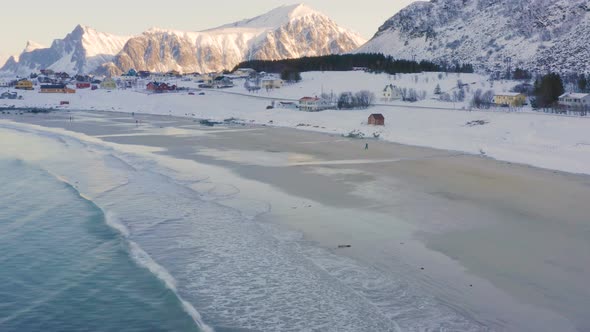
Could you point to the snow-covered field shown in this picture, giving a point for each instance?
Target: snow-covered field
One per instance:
(548, 141)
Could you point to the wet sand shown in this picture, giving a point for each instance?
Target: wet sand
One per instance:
(507, 244)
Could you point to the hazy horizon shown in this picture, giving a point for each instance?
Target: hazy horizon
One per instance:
(48, 22)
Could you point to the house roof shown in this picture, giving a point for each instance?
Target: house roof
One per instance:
(389, 86)
(309, 99)
(377, 116)
(53, 86)
(509, 94)
(574, 95)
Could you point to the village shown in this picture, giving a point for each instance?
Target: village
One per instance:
(512, 96)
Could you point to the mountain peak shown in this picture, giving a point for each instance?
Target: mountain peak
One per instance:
(81, 29)
(298, 10)
(275, 18)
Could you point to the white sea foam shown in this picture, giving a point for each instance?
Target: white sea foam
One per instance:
(143, 259)
(115, 223)
(243, 274)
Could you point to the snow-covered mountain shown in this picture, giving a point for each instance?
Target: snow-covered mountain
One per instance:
(81, 51)
(285, 32)
(535, 34)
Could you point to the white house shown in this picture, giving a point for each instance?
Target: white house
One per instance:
(391, 93)
(271, 83)
(314, 104)
(244, 72)
(570, 99)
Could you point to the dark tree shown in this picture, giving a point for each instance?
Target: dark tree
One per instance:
(582, 83)
(521, 74)
(437, 90)
(548, 89)
(290, 75)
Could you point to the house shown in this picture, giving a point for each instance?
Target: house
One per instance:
(313, 104)
(512, 99)
(82, 78)
(56, 88)
(160, 87)
(575, 100)
(82, 85)
(3, 84)
(376, 119)
(24, 85)
(108, 84)
(8, 95)
(63, 76)
(173, 73)
(271, 83)
(44, 79)
(205, 79)
(288, 104)
(244, 72)
(391, 93)
(132, 73)
(222, 82)
(144, 74)
(309, 104)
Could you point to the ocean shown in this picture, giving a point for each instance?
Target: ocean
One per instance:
(96, 237)
(65, 269)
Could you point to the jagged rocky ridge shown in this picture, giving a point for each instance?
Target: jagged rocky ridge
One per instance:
(493, 34)
(285, 32)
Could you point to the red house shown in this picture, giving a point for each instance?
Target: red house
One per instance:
(160, 87)
(377, 119)
(82, 85)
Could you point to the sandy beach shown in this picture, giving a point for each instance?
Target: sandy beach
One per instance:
(504, 244)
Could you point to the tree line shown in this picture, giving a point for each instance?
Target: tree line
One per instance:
(377, 63)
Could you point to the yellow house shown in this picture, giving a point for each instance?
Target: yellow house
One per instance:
(271, 83)
(108, 84)
(513, 99)
(24, 85)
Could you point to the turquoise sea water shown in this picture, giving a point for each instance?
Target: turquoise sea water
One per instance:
(97, 238)
(63, 269)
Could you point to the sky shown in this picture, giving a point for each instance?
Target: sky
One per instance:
(43, 21)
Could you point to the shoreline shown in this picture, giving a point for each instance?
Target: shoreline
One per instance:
(540, 140)
(359, 190)
(310, 129)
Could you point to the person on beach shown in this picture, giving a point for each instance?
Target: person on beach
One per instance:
(366, 146)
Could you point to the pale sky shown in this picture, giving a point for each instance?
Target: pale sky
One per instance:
(42, 21)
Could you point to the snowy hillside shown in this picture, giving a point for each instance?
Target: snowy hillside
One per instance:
(534, 34)
(549, 141)
(82, 50)
(285, 32)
